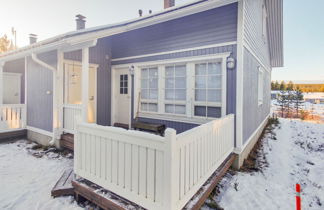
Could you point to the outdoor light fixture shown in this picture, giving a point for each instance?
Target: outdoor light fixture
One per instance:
(230, 63)
(131, 70)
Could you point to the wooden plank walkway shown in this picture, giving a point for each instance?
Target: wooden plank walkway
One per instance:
(12, 135)
(63, 186)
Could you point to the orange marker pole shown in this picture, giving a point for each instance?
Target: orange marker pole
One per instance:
(298, 199)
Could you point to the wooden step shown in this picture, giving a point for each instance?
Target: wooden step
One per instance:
(63, 186)
(67, 141)
(103, 198)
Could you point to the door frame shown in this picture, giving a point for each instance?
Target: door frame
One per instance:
(91, 65)
(113, 95)
(18, 75)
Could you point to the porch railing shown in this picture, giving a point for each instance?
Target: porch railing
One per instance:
(155, 172)
(71, 113)
(12, 117)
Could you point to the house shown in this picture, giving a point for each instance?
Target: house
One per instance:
(202, 69)
(314, 98)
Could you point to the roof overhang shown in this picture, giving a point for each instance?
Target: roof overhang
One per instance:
(275, 31)
(74, 38)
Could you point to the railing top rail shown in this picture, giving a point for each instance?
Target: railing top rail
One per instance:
(12, 105)
(193, 130)
(73, 106)
(122, 131)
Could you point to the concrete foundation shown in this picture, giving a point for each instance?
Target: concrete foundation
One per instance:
(239, 158)
(41, 138)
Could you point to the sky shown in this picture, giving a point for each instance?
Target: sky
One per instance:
(303, 26)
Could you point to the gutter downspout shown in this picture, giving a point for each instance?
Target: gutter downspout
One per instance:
(48, 67)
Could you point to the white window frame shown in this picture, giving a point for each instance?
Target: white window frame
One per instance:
(260, 85)
(190, 77)
(150, 101)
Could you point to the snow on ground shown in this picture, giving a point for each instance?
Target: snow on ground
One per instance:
(295, 157)
(26, 181)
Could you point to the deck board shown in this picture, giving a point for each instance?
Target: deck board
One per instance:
(63, 186)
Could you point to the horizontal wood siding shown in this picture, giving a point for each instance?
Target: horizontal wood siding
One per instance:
(253, 114)
(39, 103)
(17, 66)
(253, 35)
(99, 55)
(209, 27)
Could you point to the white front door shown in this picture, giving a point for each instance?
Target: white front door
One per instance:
(11, 88)
(122, 96)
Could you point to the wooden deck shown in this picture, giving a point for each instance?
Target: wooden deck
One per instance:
(12, 135)
(67, 141)
(102, 198)
(63, 186)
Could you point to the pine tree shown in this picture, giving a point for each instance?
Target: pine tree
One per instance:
(289, 102)
(277, 86)
(273, 86)
(282, 85)
(298, 100)
(281, 102)
(4, 44)
(290, 85)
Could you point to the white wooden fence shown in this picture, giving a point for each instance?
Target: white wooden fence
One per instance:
(12, 117)
(71, 113)
(153, 171)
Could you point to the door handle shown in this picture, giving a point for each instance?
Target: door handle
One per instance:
(91, 98)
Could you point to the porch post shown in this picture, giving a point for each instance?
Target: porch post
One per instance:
(85, 83)
(1, 82)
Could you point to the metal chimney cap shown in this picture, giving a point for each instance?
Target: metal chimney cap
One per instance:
(33, 35)
(80, 17)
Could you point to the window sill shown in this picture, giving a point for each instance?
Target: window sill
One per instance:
(175, 118)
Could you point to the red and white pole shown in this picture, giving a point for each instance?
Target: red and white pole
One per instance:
(298, 199)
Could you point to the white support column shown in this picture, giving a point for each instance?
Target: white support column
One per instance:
(59, 91)
(1, 82)
(85, 83)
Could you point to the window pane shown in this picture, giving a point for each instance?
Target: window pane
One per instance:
(180, 109)
(180, 94)
(169, 83)
(153, 72)
(214, 81)
(144, 106)
(152, 107)
(214, 95)
(121, 91)
(125, 84)
(169, 108)
(144, 83)
(200, 95)
(125, 90)
(180, 82)
(121, 84)
(153, 83)
(121, 77)
(169, 94)
(180, 70)
(200, 111)
(153, 94)
(214, 112)
(144, 73)
(214, 68)
(126, 77)
(144, 94)
(169, 71)
(201, 69)
(200, 82)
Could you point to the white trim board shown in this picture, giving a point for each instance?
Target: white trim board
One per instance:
(40, 131)
(175, 51)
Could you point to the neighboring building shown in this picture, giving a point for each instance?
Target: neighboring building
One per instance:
(181, 67)
(314, 98)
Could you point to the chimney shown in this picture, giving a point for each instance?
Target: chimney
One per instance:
(140, 12)
(80, 22)
(168, 3)
(32, 38)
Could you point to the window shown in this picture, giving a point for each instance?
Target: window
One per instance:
(175, 89)
(264, 23)
(260, 86)
(149, 89)
(123, 84)
(208, 89)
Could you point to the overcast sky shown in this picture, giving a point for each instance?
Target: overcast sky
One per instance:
(303, 26)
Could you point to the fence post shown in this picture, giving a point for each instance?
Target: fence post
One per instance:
(77, 153)
(171, 168)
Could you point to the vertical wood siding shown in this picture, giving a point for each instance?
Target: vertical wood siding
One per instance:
(253, 30)
(209, 27)
(17, 66)
(39, 81)
(253, 114)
